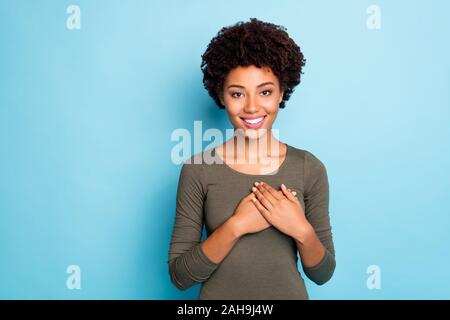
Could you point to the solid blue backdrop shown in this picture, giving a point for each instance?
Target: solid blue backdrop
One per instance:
(86, 115)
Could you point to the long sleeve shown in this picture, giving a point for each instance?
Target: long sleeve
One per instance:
(316, 198)
(188, 265)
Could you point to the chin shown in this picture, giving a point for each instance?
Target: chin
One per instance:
(252, 134)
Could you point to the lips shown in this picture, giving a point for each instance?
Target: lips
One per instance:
(253, 122)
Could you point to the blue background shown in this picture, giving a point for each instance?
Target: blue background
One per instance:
(86, 176)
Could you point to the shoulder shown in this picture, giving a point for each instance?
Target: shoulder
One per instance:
(194, 167)
(312, 167)
(308, 158)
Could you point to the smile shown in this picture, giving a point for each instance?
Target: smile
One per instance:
(254, 122)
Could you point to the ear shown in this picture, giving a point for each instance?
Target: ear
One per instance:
(281, 96)
(220, 95)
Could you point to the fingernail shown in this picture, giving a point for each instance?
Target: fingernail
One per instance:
(262, 183)
(253, 189)
(283, 186)
(294, 193)
(256, 183)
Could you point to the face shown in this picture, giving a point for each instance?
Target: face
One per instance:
(251, 97)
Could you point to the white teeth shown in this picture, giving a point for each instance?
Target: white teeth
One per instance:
(254, 121)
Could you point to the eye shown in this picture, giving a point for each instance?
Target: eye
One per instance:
(236, 94)
(266, 92)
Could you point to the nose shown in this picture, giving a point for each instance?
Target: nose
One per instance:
(250, 104)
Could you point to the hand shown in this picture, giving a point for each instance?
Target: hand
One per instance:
(246, 217)
(281, 209)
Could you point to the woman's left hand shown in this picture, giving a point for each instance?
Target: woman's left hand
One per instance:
(283, 211)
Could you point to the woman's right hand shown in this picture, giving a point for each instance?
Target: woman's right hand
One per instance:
(247, 218)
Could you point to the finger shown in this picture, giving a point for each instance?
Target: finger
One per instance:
(261, 197)
(287, 193)
(261, 187)
(248, 197)
(261, 208)
(272, 191)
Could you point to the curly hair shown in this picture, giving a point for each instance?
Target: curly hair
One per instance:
(256, 43)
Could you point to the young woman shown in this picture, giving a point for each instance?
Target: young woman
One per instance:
(258, 214)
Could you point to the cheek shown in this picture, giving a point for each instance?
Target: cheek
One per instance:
(271, 107)
(234, 107)
(271, 103)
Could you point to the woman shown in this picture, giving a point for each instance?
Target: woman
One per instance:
(258, 214)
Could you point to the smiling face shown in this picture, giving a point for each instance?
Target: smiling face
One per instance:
(251, 96)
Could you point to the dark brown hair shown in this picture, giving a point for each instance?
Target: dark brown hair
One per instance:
(256, 43)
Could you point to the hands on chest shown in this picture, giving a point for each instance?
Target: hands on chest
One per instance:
(265, 207)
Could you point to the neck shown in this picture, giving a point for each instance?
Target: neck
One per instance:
(259, 150)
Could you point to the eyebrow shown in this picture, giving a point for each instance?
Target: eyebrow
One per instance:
(259, 85)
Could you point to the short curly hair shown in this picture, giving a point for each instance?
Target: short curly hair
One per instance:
(258, 43)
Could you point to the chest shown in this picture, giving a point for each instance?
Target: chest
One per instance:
(256, 169)
(223, 195)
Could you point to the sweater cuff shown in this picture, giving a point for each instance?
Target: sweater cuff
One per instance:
(210, 265)
(321, 272)
(192, 268)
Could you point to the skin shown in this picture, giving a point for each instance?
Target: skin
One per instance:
(251, 91)
(247, 92)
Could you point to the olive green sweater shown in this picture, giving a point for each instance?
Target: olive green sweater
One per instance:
(261, 265)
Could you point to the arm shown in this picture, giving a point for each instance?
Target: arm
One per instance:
(221, 241)
(315, 245)
(190, 261)
(310, 247)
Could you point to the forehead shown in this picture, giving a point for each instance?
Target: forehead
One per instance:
(250, 76)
